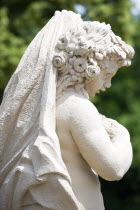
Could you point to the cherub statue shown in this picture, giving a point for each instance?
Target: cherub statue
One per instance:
(53, 141)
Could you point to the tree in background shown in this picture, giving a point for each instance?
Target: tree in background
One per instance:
(19, 23)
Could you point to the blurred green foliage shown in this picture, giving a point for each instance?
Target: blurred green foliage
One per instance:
(19, 23)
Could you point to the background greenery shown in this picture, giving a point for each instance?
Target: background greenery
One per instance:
(19, 23)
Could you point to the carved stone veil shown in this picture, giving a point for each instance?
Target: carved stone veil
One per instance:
(28, 141)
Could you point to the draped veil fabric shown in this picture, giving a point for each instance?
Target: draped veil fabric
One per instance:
(30, 157)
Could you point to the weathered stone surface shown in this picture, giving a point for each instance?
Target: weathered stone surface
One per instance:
(53, 141)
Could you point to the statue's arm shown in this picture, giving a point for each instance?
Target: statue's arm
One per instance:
(110, 157)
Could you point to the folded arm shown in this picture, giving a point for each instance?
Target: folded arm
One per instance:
(110, 157)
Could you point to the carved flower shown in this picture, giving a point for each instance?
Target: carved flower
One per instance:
(70, 47)
(80, 64)
(81, 49)
(63, 42)
(92, 71)
(59, 61)
(98, 56)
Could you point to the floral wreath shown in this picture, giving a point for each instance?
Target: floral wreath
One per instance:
(84, 51)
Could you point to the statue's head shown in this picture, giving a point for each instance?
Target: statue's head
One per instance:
(88, 56)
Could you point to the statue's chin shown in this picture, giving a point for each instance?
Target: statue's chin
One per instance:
(92, 95)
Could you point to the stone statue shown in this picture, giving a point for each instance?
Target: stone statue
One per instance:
(53, 141)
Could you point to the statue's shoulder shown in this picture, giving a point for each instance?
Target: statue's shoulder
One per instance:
(74, 105)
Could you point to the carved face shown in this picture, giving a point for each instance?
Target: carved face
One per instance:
(102, 81)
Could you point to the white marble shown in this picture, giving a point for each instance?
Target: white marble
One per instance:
(53, 141)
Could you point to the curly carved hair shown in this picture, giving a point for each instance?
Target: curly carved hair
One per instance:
(84, 51)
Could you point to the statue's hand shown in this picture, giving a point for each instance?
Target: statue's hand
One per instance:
(114, 129)
(110, 125)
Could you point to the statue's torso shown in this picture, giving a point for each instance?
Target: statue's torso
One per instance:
(85, 183)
